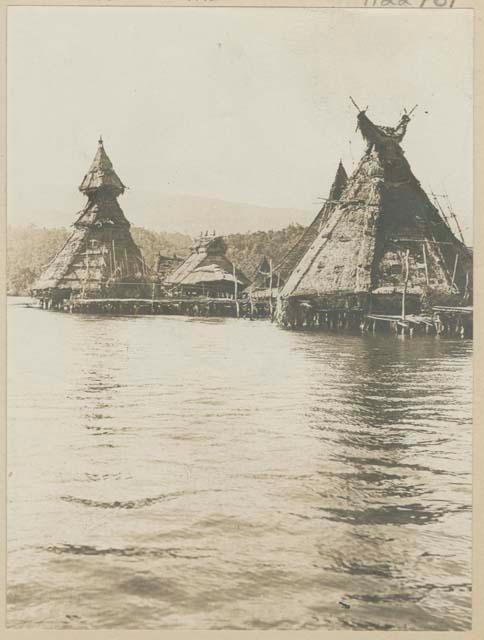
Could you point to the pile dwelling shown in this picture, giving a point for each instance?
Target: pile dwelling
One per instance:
(206, 282)
(262, 292)
(268, 280)
(99, 268)
(379, 254)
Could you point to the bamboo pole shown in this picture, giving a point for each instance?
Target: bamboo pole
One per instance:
(425, 263)
(87, 274)
(404, 293)
(455, 268)
(436, 202)
(466, 290)
(412, 110)
(235, 291)
(354, 103)
(114, 257)
(454, 217)
(111, 269)
(270, 287)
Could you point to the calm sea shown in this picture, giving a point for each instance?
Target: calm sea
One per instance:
(210, 474)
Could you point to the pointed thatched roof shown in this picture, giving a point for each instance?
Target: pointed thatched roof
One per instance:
(287, 265)
(382, 213)
(261, 273)
(207, 264)
(260, 286)
(101, 174)
(100, 250)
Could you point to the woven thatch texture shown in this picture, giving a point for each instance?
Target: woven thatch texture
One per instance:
(101, 174)
(60, 264)
(383, 212)
(94, 258)
(206, 264)
(100, 253)
(101, 210)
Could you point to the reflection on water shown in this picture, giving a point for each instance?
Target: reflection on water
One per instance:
(169, 472)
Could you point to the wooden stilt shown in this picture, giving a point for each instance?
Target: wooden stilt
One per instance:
(455, 269)
(405, 284)
(270, 288)
(425, 264)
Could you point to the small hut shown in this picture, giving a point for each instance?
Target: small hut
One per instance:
(207, 271)
(383, 247)
(262, 292)
(100, 258)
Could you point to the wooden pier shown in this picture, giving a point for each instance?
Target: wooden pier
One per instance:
(196, 306)
(451, 321)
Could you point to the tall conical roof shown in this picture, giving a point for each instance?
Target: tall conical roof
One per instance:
(288, 263)
(100, 253)
(101, 175)
(381, 214)
(339, 182)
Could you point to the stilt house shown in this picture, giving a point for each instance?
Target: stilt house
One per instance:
(383, 240)
(100, 258)
(207, 271)
(264, 281)
(264, 287)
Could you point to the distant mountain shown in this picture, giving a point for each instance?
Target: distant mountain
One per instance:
(192, 214)
(187, 214)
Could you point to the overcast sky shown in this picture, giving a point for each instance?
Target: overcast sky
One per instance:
(246, 105)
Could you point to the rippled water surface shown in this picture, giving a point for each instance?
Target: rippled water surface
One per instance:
(173, 472)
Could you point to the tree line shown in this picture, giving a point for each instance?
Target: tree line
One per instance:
(30, 249)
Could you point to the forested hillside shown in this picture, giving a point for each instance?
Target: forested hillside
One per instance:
(29, 249)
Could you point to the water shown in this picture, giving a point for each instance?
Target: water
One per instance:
(171, 472)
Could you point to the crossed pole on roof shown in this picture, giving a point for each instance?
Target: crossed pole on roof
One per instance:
(365, 109)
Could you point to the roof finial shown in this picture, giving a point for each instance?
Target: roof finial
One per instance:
(100, 141)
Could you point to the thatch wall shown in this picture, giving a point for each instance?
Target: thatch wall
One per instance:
(100, 257)
(208, 266)
(93, 259)
(289, 262)
(382, 213)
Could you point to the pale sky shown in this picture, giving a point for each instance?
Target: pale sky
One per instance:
(245, 105)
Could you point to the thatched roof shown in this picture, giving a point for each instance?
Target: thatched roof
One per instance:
(260, 286)
(207, 264)
(287, 265)
(382, 212)
(101, 174)
(100, 250)
(101, 211)
(166, 265)
(58, 267)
